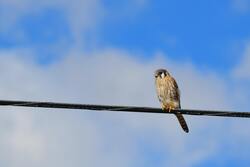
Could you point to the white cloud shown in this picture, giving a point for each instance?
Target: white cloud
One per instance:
(242, 6)
(82, 15)
(242, 70)
(44, 137)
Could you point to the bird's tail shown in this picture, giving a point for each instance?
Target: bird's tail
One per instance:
(182, 121)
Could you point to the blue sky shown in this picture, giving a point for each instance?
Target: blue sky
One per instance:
(209, 34)
(200, 33)
(105, 52)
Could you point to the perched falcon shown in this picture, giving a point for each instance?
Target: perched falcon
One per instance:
(169, 94)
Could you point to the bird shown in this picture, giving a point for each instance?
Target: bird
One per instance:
(169, 95)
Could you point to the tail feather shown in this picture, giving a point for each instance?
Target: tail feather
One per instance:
(182, 122)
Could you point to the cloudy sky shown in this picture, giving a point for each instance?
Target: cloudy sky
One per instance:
(105, 52)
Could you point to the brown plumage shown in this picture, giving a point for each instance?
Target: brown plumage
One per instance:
(169, 94)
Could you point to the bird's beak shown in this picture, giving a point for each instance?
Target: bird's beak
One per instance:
(162, 75)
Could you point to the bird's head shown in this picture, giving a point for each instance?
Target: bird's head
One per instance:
(162, 73)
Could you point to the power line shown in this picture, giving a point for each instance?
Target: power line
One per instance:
(121, 108)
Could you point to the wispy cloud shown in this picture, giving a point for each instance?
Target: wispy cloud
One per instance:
(241, 6)
(243, 68)
(81, 15)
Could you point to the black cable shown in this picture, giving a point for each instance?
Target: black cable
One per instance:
(121, 108)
